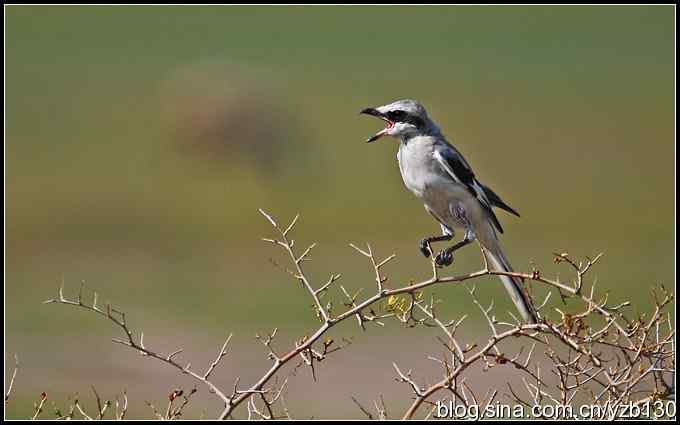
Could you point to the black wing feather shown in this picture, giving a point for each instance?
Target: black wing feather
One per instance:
(496, 201)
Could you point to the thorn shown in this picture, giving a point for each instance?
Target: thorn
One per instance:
(291, 225)
(268, 217)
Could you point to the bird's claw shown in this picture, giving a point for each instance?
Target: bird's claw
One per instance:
(444, 258)
(425, 247)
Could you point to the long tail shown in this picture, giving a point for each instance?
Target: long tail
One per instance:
(497, 262)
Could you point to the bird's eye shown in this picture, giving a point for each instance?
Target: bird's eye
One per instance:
(396, 115)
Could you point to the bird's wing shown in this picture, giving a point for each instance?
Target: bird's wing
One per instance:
(496, 200)
(460, 171)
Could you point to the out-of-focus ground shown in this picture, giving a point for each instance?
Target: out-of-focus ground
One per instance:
(140, 142)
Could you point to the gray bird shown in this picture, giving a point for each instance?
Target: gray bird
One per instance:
(439, 176)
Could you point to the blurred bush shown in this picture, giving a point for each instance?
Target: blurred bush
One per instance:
(217, 115)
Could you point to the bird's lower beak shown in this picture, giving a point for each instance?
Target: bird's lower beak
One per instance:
(377, 135)
(374, 112)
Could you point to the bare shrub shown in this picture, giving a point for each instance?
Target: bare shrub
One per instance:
(597, 355)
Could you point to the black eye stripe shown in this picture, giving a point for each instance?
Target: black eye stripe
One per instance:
(405, 117)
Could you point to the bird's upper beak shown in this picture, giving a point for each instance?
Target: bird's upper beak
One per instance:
(374, 112)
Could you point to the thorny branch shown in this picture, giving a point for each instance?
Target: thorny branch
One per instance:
(118, 318)
(623, 359)
(618, 356)
(8, 393)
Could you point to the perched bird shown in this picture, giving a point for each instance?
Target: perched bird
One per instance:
(438, 175)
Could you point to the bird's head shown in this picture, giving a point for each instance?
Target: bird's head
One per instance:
(402, 118)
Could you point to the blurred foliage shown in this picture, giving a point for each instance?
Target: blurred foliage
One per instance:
(140, 142)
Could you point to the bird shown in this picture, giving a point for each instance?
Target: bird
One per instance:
(438, 174)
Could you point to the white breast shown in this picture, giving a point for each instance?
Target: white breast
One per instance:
(415, 163)
(422, 175)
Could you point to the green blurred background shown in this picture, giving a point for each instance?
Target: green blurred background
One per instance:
(140, 142)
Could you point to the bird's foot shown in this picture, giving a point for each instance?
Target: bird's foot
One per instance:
(444, 258)
(425, 247)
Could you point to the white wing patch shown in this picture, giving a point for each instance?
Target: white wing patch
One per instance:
(480, 193)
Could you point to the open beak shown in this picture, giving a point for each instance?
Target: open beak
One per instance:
(389, 124)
